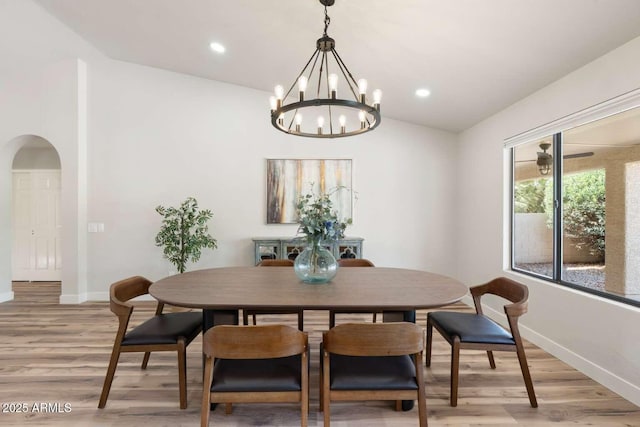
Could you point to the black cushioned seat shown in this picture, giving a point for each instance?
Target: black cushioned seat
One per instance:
(165, 329)
(279, 374)
(372, 373)
(472, 328)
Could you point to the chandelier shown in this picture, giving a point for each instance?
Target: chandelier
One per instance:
(315, 117)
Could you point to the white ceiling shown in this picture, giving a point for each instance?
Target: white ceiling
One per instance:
(476, 57)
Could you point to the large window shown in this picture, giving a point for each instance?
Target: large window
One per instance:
(576, 207)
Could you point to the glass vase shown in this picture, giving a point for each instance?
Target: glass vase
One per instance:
(315, 264)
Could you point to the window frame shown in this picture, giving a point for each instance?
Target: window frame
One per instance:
(608, 108)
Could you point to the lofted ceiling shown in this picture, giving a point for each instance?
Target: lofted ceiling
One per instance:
(476, 57)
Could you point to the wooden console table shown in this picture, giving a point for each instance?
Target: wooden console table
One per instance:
(290, 247)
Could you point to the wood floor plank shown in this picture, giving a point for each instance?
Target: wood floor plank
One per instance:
(52, 355)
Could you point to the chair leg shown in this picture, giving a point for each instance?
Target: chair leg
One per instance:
(245, 317)
(301, 320)
(145, 360)
(422, 395)
(304, 394)
(527, 376)
(455, 367)
(254, 320)
(321, 385)
(332, 319)
(492, 362)
(108, 379)
(375, 317)
(228, 408)
(206, 392)
(326, 398)
(429, 339)
(182, 373)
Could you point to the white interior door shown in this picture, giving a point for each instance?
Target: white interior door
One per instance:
(36, 254)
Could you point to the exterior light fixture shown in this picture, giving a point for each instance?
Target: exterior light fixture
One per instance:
(544, 160)
(323, 86)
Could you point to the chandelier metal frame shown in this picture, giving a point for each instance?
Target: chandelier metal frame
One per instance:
(369, 114)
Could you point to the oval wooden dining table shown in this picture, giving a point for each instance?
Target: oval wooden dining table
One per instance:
(358, 289)
(221, 292)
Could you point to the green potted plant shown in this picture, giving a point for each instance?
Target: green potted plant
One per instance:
(184, 233)
(320, 224)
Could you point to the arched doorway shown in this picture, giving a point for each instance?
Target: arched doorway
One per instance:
(36, 225)
(9, 149)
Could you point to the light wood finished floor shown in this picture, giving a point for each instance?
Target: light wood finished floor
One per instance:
(57, 354)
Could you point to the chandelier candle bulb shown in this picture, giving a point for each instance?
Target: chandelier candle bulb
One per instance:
(343, 123)
(298, 121)
(362, 88)
(377, 97)
(273, 102)
(320, 124)
(279, 90)
(302, 86)
(362, 116)
(333, 85)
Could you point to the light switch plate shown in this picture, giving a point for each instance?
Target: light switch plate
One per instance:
(95, 227)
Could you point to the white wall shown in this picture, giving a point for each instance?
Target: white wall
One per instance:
(157, 137)
(597, 336)
(132, 137)
(43, 93)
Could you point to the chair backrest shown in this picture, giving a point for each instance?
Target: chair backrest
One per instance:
(254, 342)
(122, 291)
(276, 263)
(374, 339)
(515, 292)
(355, 262)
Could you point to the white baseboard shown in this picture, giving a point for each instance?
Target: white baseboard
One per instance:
(7, 296)
(618, 385)
(73, 298)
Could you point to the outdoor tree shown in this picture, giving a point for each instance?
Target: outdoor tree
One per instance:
(529, 196)
(583, 207)
(184, 233)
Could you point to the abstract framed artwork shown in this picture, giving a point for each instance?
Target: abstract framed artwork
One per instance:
(288, 179)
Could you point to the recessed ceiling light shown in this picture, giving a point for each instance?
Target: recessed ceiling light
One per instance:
(217, 47)
(423, 93)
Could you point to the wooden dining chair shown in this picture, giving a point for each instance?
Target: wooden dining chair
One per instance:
(478, 332)
(253, 312)
(162, 332)
(267, 363)
(350, 262)
(372, 361)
